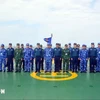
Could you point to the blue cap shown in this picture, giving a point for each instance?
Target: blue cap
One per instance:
(2, 45)
(98, 43)
(27, 44)
(83, 45)
(49, 44)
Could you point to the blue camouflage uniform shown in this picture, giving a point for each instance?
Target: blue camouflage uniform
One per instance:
(83, 55)
(32, 60)
(57, 53)
(3, 56)
(27, 57)
(74, 57)
(48, 55)
(98, 60)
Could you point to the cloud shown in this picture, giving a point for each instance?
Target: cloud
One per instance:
(73, 18)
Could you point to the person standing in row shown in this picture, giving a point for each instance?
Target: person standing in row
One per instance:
(74, 58)
(78, 46)
(18, 56)
(57, 57)
(66, 58)
(92, 52)
(22, 62)
(27, 58)
(48, 56)
(83, 57)
(10, 57)
(38, 57)
(3, 58)
(70, 48)
(98, 58)
(32, 60)
(42, 61)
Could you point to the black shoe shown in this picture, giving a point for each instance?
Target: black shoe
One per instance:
(66, 71)
(25, 71)
(4, 71)
(45, 72)
(39, 72)
(19, 71)
(11, 71)
(0, 70)
(35, 71)
(76, 71)
(16, 71)
(91, 71)
(72, 71)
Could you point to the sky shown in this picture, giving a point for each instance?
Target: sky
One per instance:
(29, 21)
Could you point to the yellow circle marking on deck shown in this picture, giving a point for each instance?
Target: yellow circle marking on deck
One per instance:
(53, 77)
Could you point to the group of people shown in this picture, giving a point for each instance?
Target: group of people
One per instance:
(68, 58)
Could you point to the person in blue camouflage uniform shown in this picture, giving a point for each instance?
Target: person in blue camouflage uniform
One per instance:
(74, 58)
(98, 58)
(38, 57)
(3, 58)
(92, 53)
(83, 57)
(48, 56)
(27, 58)
(57, 52)
(70, 48)
(10, 57)
(32, 60)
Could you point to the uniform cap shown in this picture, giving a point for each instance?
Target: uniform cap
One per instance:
(38, 43)
(75, 43)
(22, 44)
(83, 45)
(27, 44)
(66, 45)
(10, 43)
(57, 43)
(18, 44)
(98, 43)
(92, 43)
(49, 44)
(2, 45)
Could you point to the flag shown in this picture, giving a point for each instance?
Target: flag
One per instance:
(48, 40)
